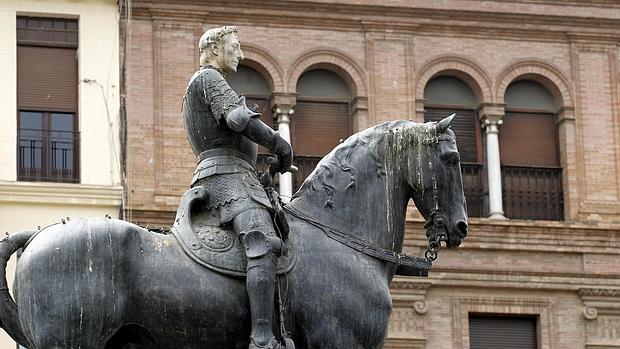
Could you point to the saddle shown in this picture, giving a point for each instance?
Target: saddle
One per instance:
(213, 246)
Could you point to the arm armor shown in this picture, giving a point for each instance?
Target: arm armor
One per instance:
(239, 117)
(218, 95)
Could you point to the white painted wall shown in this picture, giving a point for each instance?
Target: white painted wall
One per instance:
(98, 60)
(26, 205)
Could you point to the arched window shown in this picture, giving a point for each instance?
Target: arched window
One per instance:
(250, 83)
(531, 172)
(321, 119)
(443, 96)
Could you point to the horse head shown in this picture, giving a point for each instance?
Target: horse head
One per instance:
(436, 183)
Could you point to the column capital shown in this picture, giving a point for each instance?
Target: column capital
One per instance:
(284, 101)
(491, 113)
(491, 125)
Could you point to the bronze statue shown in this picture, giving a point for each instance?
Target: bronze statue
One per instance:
(102, 283)
(224, 134)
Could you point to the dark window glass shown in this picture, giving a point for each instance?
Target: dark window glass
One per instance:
(30, 140)
(57, 32)
(47, 147)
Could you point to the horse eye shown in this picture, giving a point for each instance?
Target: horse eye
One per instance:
(452, 160)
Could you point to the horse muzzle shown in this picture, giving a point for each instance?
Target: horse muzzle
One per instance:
(457, 234)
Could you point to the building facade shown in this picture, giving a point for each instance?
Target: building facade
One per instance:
(535, 85)
(59, 132)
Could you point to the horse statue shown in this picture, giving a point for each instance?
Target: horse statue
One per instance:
(102, 283)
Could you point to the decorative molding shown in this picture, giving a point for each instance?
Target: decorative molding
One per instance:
(599, 292)
(409, 284)
(590, 207)
(459, 66)
(601, 309)
(492, 112)
(268, 65)
(347, 16)
(347, 68)
(158, 107)
(283, 100)
(370, 66)
(544, 308)
(550, 76)
(60, 194)
(401, 343)
(407, 322)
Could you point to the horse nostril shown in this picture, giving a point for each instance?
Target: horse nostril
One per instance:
(461, 226)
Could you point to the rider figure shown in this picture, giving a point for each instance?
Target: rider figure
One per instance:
(224, 135)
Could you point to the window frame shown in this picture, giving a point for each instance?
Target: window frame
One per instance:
(71, 25)
(61, 175)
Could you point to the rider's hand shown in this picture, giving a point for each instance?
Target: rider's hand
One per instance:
(284, 154)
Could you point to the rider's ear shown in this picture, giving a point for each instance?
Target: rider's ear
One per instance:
(443, 125)
(215, 49)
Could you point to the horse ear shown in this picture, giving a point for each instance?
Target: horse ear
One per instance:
(443, 125)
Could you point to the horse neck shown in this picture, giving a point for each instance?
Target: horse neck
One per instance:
(361, 192)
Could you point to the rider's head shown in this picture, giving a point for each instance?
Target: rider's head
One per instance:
(219, 47)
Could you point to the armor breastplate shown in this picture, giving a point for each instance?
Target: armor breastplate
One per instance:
(206, 131)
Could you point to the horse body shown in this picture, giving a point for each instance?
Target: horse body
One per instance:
(127, 276)
(103, 283)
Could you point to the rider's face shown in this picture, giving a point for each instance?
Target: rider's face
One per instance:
(230, 53)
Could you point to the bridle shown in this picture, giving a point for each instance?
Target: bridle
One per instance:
(435, 225)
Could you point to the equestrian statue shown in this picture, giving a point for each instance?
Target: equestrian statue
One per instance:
(240, 269)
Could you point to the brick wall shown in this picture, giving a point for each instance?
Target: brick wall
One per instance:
(387, 53)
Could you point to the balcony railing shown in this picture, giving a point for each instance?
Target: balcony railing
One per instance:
(47, 155)
(533, 192)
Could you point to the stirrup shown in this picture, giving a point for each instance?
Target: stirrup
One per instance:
(273, 344)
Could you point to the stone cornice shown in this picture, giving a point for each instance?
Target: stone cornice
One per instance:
(512, 280)
(600, 301)
(517, 235)
(386, 18)
(60, 194)
(600, 292)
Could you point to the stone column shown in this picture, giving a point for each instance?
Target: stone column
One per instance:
(283, 106)
(283, 116)
(491, 117)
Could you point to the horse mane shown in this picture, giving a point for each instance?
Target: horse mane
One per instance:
(340, 161)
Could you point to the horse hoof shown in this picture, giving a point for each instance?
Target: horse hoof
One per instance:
(273, 344)
(288, 343)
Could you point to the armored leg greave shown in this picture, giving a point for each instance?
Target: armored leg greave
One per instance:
(262, 252)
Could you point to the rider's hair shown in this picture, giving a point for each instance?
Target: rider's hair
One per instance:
(212, 37)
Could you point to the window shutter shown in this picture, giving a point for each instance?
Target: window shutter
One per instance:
(464, 126)
(528, 139)
(493, 332)
(46, 78)
(318, 127)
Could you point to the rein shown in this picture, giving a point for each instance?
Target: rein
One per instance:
(406, 265)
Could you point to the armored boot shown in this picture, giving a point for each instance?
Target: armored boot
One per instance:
(262, 252)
